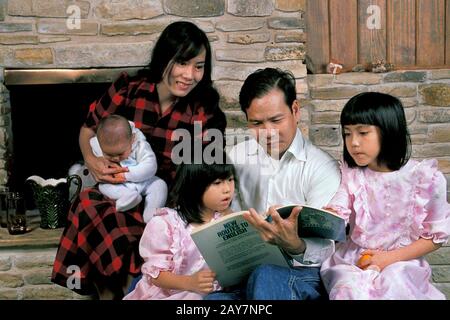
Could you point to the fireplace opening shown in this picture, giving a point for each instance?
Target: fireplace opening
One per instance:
(48, 107)
(45, 123)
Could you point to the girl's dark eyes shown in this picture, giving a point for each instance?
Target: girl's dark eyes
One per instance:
(346, 134)
(219, 181)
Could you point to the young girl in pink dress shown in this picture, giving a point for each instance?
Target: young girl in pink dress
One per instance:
(396, 207)
(173, 267)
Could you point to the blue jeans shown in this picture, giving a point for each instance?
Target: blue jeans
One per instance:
(270, 282)
(134, 283)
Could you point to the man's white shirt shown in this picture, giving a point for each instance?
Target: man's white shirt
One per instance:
(304, 175)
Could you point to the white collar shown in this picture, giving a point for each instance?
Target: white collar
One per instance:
(297, 148)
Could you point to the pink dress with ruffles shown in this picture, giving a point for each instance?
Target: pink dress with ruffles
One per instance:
(166, 245)
(387, 211)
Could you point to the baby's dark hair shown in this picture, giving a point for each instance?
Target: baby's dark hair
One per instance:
(113, 128)
(191, 182)
(387, 113)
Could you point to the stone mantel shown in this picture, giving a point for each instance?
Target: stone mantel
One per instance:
(63, 76)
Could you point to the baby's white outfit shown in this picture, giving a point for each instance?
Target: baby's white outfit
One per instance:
(141, 179)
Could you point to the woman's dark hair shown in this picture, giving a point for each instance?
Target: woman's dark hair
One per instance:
(260, 82)
(191, 182)
(386, 112)
(179, 42)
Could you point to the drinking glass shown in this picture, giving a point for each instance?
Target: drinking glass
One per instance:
(16, 217)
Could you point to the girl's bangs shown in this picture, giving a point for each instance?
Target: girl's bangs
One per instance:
(224, 171)
(351, 116)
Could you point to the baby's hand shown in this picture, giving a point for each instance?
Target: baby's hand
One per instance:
(202, 281)
(103, 170)
(120, 177)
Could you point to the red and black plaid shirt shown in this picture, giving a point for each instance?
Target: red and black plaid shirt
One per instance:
(137, 100)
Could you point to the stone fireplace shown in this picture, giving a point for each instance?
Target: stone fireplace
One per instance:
(47, 109)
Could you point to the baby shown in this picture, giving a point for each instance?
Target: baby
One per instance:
(120, 142)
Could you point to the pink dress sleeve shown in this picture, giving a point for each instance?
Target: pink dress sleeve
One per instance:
(432, 191)
(341, 202)
(157, 245)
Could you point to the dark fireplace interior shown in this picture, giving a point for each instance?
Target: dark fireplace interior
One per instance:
(45, 121)
(48, 107)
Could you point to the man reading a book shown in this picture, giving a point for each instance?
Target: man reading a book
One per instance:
(280, 167)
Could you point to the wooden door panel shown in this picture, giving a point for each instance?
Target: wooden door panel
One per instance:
(430, 32)
(402, 32)
(343, 32)
(447, 33)
(372, 33)
(318, 35)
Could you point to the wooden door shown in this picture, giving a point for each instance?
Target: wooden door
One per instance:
(409, 33)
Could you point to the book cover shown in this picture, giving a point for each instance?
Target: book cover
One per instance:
(314, 222)
(233, 248)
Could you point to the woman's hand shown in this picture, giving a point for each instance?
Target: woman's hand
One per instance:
(202, 282)
(281, 232)
(105, 171)
(101, 169)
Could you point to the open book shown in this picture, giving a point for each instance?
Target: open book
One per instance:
(233, 248)
(314, 222)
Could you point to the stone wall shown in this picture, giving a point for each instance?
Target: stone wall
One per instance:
(25, 275)
(425, 96)
(5, 131)
(440, 264)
